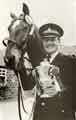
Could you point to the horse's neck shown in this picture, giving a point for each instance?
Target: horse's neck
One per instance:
(35, 51)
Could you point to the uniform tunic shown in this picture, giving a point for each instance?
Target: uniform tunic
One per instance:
(62, 105)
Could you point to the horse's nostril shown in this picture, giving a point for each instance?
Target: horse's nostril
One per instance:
(9, 61)
(12, 58)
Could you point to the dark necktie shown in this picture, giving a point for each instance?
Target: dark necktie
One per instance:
(48, 57)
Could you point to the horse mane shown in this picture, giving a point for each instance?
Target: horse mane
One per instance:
(34, 49)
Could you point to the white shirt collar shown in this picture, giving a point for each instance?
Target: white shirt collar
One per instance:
(53, 56)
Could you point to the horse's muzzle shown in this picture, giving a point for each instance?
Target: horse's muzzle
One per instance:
(10, 61)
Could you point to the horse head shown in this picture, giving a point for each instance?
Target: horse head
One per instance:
(19, 40)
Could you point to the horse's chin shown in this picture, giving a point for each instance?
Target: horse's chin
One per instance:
(10, 66)
(14, 64)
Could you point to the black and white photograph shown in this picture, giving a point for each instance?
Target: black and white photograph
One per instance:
(38, 60)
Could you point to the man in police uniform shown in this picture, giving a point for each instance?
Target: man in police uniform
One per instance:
(58, 104)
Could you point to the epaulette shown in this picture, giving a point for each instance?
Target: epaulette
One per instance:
(68, 56)
(73, 56)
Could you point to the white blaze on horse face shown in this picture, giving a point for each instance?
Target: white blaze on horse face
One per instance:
(19, 31)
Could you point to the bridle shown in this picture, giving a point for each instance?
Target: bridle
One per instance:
(7, 40)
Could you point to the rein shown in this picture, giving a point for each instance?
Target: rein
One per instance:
(21, 91)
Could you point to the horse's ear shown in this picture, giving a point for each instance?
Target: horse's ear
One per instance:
(13, 16)
(25, 9)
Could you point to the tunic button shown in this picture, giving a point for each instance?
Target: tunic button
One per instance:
(42, 104)
(62, 111)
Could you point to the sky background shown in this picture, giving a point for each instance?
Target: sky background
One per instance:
(62, 12)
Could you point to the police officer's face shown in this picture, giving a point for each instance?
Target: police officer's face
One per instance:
(51, 44)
